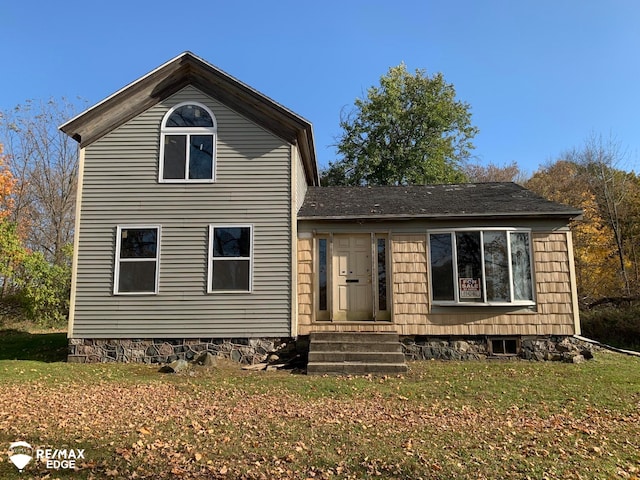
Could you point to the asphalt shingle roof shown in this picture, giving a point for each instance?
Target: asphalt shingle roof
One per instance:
(429, 201)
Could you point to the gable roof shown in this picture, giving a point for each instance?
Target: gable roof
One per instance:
(188, 69)
(429, 201)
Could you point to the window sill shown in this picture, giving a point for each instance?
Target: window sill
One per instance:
(485, 308)
(213, 292)
(134, 294)
(180, 181)
(484, 304)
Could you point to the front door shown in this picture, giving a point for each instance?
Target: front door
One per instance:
(352, 292)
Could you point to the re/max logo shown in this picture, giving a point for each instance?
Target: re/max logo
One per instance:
(60, 454)
(60, 458)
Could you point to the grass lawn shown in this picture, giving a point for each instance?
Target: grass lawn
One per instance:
(442, 420)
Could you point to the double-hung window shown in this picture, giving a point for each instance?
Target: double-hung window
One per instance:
(488, 266)
(137, 259)
(188, 144)
(230, 258)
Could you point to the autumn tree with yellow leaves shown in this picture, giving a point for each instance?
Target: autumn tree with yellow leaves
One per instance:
(606, 238)
(11, 251)
(7, 182)
(593, 250)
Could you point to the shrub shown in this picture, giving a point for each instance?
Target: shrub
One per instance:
(616, 326)
(11, 254)
(45, 288)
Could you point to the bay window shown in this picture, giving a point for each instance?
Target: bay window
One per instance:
(489, 266)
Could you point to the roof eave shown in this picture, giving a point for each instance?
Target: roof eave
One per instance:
(308, 153)
(172, 76)
(569, 215)
(74, 126)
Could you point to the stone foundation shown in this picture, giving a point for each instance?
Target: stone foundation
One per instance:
(552, 348)
(432, 348)
(256, 350)
(162, 350)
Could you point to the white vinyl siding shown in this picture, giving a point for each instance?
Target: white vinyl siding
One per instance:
(120, 186)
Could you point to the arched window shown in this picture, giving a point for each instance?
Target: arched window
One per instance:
(188, 144)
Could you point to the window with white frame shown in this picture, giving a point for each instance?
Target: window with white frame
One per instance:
(230, 258)
(137, 259)
(489, 266)
(188, 144)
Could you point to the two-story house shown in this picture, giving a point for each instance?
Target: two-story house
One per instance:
(201, 225)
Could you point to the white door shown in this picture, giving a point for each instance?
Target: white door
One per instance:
(352, 293)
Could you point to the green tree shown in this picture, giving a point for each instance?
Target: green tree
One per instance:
(408, 130)
(11, 254)
(45, 288)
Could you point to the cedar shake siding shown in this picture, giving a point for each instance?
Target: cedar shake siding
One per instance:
(410, 279)
(413, 314)
(405, 216)
(120, 187)
(552, 314)
(305, 282)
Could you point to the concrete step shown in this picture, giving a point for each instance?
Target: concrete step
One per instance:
(332, 346)
(360, 357)
(354, 368)
(354, 337)
(355, 353)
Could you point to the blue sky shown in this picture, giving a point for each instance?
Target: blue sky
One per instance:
(540, 75)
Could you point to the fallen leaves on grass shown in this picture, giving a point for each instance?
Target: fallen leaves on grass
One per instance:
(186, 430)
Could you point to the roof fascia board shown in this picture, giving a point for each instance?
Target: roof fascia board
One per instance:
(570, 215)
(307, 145)
(65, 126)
(177, 73)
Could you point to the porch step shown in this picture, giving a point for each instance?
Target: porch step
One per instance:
(376, 356)
(355, 353)
(355, 368)
(360, 337)
(355, 346)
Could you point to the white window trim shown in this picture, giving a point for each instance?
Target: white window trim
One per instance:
(456, 302)
(116, 271)
(188, 131)
(210, 258)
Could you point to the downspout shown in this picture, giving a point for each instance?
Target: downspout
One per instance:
(293, 151)
(76, 245)
(574, 285)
